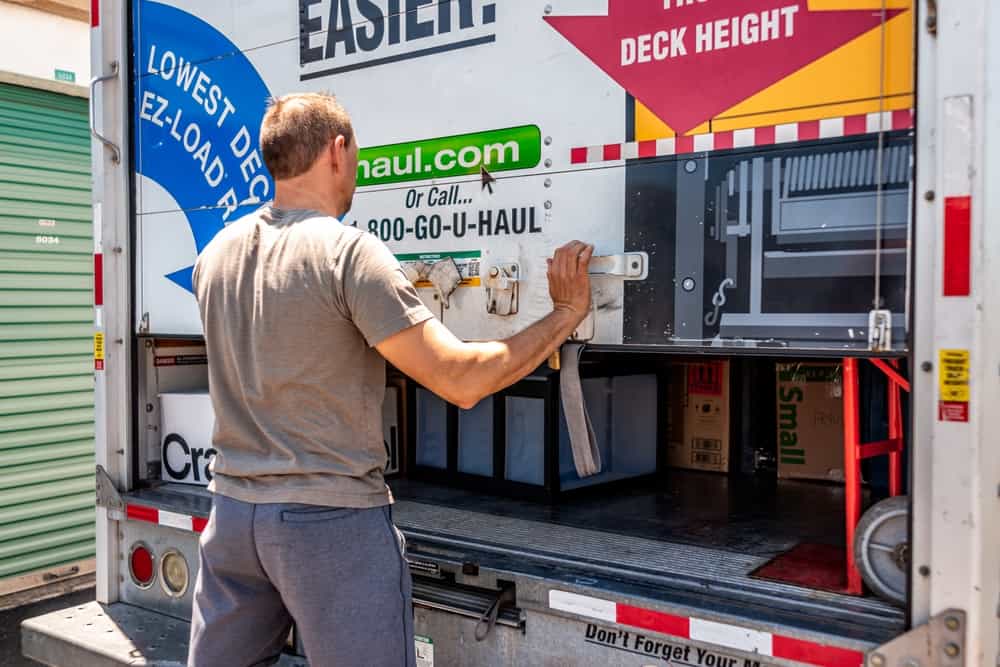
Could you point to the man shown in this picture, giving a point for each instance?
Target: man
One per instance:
(299, 312)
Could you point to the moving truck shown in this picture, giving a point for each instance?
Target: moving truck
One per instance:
(789, 201)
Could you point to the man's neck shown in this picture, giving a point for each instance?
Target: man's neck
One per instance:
(300, 194)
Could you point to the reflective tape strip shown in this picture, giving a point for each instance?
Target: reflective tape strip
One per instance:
(724, 635)
(175, 520)
(95, 13)
(164, 518)
(827, 128)
(731, 636)
(98, 279)
(583, 605)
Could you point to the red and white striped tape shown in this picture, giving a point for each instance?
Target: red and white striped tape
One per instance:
(828, 128)
(164, 518)
(709, 632)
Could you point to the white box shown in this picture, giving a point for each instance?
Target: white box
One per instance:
(187, 421)
(186, 424)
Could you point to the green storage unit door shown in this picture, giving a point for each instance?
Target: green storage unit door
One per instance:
(46, 332)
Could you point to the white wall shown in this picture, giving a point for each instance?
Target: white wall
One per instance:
(36, 43)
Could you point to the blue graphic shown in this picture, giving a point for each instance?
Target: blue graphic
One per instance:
(199, 104)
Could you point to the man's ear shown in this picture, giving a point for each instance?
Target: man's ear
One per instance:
(337, 149)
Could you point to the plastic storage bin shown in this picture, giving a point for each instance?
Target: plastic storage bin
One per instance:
(516, 442)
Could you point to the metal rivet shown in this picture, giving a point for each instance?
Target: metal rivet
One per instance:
(688, 284)
(548, 205)
(548, 182)
(951, 623)
(924, 571)
(149, 407)
(951, 650)
(929, 195)
(117, 249)
(548, 141)
(548, 9)
(876, 660)
(635, 265)
(927, 367)
(548, 162)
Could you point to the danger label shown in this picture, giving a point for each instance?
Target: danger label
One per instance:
(953, 385)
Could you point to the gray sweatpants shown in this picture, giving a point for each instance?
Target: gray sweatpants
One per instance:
(339, 573)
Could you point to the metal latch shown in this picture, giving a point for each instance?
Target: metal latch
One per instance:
(940, 642)
(502, 288)
(629, 265)
(880, 330)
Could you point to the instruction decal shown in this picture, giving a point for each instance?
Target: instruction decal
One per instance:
(953, 385)
(675, 653)
(467, 263)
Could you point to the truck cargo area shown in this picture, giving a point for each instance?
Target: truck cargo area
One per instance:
(491, 494)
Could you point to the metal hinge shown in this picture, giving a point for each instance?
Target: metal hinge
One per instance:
(107, 492)
(940, 642)
(880, 330)
(144, 324)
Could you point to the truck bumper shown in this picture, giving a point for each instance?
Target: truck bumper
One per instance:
(96, 635)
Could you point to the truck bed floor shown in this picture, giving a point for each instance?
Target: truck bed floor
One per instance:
(706, 536)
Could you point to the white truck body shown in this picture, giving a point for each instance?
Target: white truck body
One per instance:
(798, 179)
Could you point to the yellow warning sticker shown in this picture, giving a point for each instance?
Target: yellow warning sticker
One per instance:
(98, 351)
(953, 376)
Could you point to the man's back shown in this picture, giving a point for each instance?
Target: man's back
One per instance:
(292, 302)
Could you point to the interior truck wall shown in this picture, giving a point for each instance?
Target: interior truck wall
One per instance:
(956, 463)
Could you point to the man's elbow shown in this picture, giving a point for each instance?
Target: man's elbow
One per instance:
(463, 394)
(465, 399)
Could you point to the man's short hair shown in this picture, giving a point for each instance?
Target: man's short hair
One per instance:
(297, 127)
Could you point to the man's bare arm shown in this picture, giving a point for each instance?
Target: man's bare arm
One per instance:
(465, 373)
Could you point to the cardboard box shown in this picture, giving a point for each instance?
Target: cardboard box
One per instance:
(698, 418)
(810, 421)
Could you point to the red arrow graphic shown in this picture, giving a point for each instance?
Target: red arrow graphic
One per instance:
(690, 63)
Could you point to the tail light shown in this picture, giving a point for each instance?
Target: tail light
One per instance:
(141, 565)
(174, 573)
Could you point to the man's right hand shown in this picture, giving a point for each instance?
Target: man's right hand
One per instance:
(569, 281)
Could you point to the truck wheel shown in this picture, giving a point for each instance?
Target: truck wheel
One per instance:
(882, 548)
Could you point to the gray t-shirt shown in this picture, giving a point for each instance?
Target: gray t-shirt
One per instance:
(292, 303)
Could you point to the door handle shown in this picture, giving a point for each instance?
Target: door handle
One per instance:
(629, 265)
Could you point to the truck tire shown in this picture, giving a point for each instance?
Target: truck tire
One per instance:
(882, 548)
